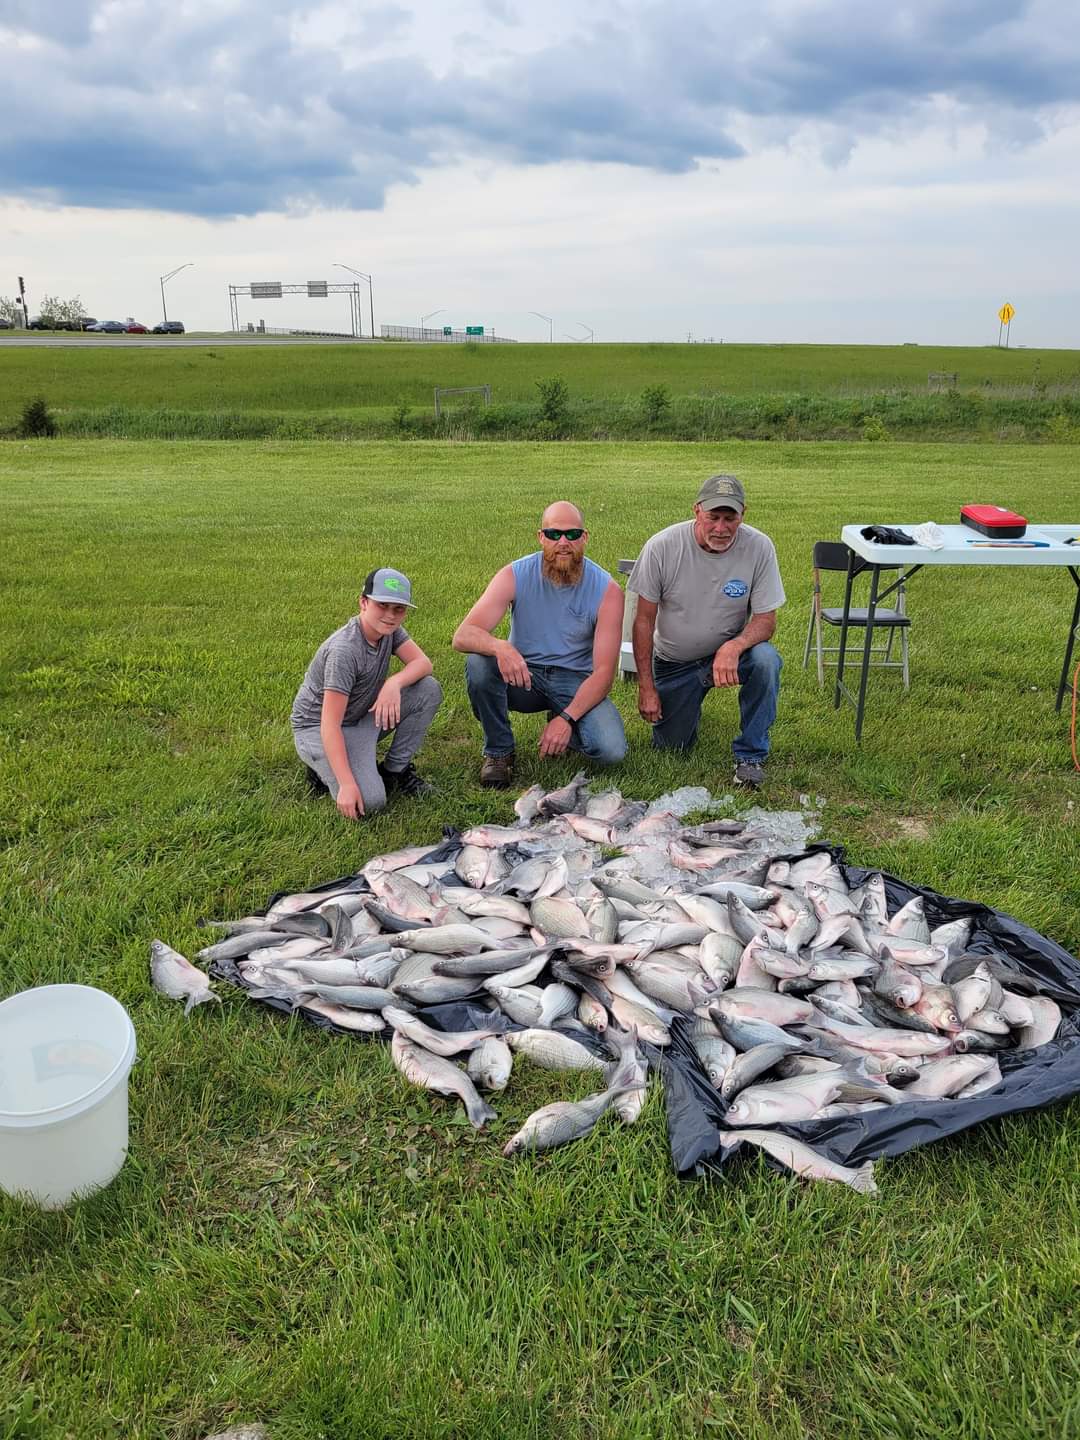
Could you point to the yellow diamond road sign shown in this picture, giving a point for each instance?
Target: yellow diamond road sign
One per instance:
(1006, 313)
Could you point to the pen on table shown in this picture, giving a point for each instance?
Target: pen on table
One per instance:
(1010, 544)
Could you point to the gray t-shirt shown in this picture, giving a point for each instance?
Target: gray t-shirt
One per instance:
(705, 599)
(347, 662)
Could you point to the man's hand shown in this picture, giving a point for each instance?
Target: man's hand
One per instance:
(648, 702)
(512, 666)
(387, 707)
(725, 665)
(350, 802)
(555, 737)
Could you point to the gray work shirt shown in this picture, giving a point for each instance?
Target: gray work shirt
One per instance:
(704, 599)
(346, 661)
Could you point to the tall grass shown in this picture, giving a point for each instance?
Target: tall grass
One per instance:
(950, 416)
(346, 381)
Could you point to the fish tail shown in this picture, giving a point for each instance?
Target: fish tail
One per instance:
(280, 992)
(864, 1179)
(479, 1112)
(200, 998)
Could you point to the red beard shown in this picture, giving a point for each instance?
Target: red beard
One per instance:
(563, 569)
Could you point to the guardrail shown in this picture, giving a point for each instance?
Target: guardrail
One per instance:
(251, 329)
(445, 336)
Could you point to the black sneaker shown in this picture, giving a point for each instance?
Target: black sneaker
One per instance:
(750, 773)
(407, 782)
(315, 782)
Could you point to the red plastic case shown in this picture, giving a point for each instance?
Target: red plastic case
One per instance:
(993, 520)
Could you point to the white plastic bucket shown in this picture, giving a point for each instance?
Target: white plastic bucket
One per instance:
(65, 1055)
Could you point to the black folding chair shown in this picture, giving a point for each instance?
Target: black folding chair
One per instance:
(832, 555)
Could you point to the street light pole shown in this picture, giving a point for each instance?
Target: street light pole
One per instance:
(551, 324)
(189, 265)
(581, 323)
(371, 294)
(441, 311)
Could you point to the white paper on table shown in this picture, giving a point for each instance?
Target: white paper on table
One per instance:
(929, 536)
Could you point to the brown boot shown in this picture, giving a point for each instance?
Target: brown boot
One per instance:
(497, 771)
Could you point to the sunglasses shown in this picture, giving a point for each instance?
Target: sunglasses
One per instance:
(551, 534)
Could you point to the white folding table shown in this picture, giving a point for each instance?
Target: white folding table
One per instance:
(963, 546)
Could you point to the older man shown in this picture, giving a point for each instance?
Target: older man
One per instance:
(709, 590)
(565, 630)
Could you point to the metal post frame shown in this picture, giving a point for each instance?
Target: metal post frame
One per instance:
(441, 390)
(350, 288)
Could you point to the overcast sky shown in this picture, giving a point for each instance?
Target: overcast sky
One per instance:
(801, 170)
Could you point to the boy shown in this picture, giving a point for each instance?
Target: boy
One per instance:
(348, 702)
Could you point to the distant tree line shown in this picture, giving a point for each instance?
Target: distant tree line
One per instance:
(60, 314)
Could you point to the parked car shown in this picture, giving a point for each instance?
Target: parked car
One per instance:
(107, 327)
(41, 322)
(169, 327)
(6, 324)
(134, 328)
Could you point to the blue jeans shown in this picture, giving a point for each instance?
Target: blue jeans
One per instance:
(599, 735)
(419, 703)
(683, 684)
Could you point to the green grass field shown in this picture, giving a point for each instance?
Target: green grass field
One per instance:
(346, 382)
(264, 1254)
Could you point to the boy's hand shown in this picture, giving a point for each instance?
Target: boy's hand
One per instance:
(350, 802)
(387, 707)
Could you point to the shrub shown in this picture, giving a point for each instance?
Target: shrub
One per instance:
(554, 401)
(874, 428)
(1061, 430)
(36, 422)
(401, 414)
(656, 403)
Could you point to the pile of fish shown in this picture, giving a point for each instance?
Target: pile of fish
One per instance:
(802, 997)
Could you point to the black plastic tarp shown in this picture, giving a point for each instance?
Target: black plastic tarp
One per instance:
(695, 1111)
(1030, 1078)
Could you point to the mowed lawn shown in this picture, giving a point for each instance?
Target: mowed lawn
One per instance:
(299, 1238)
(345, 380)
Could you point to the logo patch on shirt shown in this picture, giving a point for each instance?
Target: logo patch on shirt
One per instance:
(736, 589)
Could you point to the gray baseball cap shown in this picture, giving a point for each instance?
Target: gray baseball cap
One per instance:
(389, 587)
(722, 492)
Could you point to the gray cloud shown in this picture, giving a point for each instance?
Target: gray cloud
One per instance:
(381, 23)
(226, 111)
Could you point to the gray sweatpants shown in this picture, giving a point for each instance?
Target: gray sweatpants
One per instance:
(418, 705)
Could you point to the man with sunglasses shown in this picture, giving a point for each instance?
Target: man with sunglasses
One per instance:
(565, 632)
(708, 592)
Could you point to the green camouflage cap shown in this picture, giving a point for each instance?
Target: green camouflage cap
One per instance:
(389, 587)
(722, 492)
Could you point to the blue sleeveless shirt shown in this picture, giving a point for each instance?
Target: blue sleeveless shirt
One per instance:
(554, 624)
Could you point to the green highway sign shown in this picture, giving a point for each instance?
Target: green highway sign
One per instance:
(474, 329)
(447, 329)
